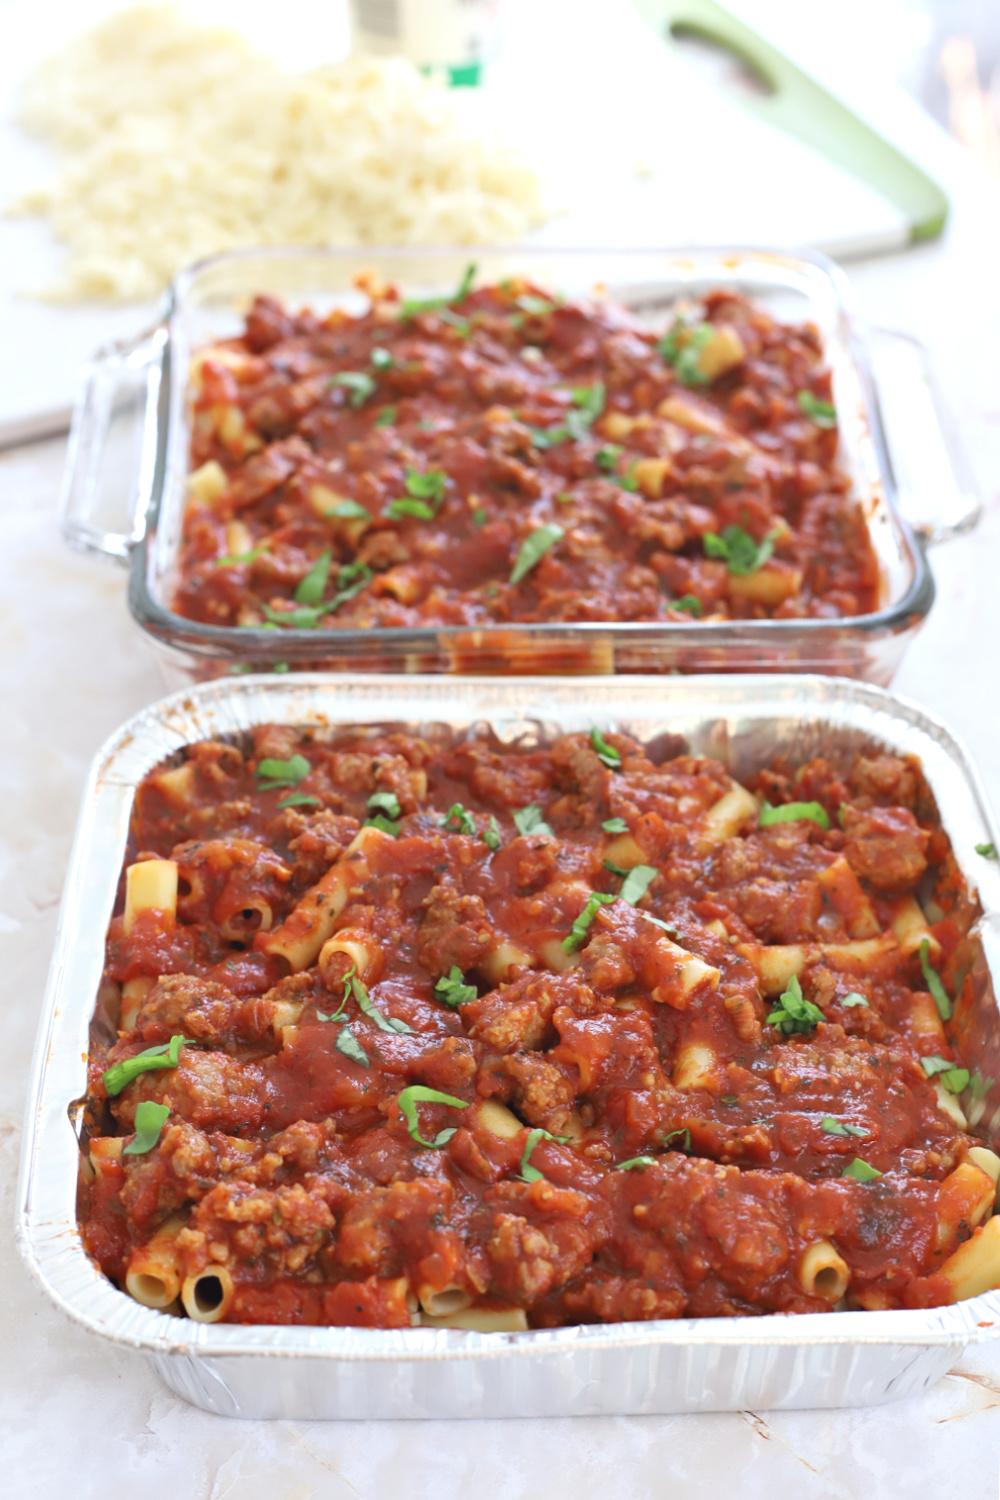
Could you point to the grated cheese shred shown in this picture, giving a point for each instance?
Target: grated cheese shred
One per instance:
(177, 141)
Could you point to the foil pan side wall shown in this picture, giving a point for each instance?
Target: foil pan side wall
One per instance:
(686, 1365)
(652, 1380)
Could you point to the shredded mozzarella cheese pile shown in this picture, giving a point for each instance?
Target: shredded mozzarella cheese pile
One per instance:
(178, 141)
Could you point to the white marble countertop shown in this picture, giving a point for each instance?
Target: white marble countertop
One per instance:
(78, 1417)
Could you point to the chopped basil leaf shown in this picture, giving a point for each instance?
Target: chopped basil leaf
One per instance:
(689, 604)
(465, 285)
(791, 812)
(533, 549)
(345, 996)
(427, 486)
(272, 773)
(820, 412)
(300, 799)
(860, 1171)
(589, 399)
(453, 990)
(614, 869)
(793, 1013)
(854, 999)
(461, 325)
(615, 825)
(242, 557)
(166, 1055)
(387, 825)
(549, 437)
(358, 383)
(528, 1172)
(480, 517)
(348, 1044)
(386, 417)
(306, 618)
(988, 851)
(464, 821)
(672, 932)
(933, 981)
(351, 579)
(637, 883)
(529, 820)
(425, 491)
(836, 1127)
(578, 932)
(537, 307)
(565, 497)
(635, 1161)
(414, 305)
(682, 347)
(386, 802)
(336, 1014)
(588, 404)
(418, 508)
(150, 1119)
(670, 345)
(280, 666)
(418, 1094)
(628, 480)
(606, 458)
(738, 550)
(685, 1144)
(952, 1078)
(313, 585)
(347, 510)
(606, 753)
(492, 837)
(687, 365)
(382, 359)
(371, 1010)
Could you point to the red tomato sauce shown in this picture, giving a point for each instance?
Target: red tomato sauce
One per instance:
(631, 1129)
(512, 458)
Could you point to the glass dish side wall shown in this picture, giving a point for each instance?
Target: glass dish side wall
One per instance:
(208, 303)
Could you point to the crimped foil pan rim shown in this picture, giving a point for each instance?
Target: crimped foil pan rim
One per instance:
(46, 1232)
(127, 1322)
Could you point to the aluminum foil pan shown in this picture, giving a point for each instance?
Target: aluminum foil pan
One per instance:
(710, 1364)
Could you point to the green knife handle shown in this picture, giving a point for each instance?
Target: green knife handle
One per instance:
(802, 108)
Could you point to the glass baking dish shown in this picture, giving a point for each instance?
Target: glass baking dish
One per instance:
(129, 448)
(687, 1364)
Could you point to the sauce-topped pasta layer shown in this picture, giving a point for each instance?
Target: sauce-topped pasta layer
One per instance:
(504, 457)
(412, 1030)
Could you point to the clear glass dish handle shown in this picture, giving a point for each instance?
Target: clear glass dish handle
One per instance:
(937, 490)
(113, 447)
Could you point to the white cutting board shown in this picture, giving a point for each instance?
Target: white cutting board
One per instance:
(636, 146)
